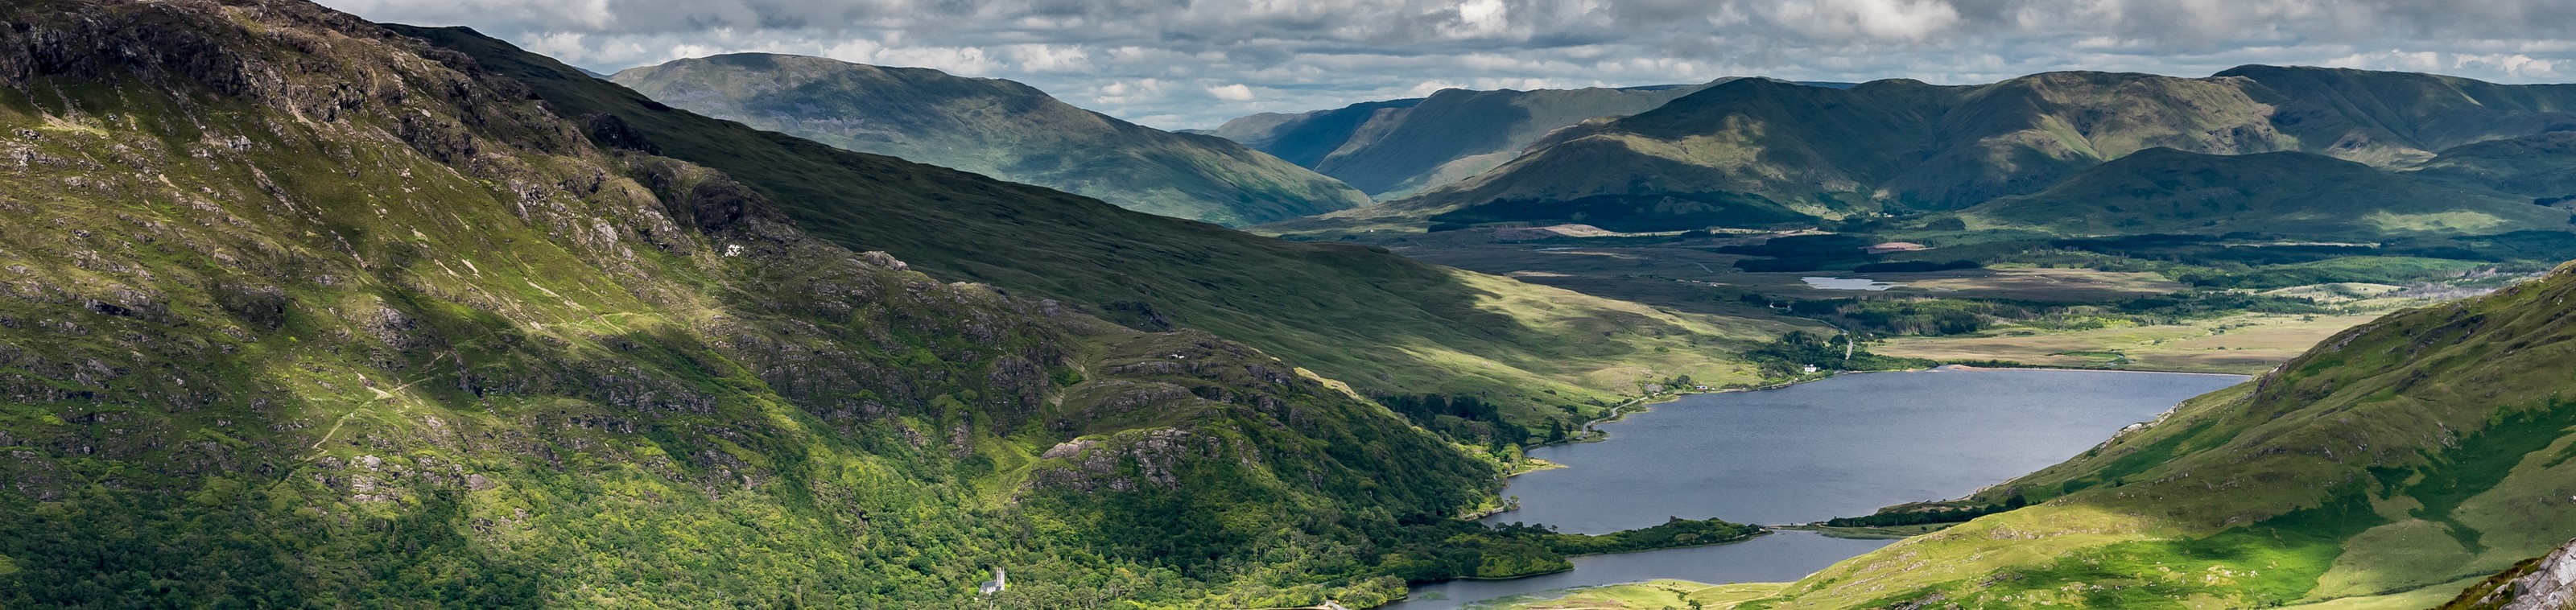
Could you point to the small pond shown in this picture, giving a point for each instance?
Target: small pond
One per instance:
(1848, 283)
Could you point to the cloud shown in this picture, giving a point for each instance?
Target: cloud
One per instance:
(1179, 63)
(1232, 93)
(1477, 19)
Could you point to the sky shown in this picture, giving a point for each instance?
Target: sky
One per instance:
(1194, 64)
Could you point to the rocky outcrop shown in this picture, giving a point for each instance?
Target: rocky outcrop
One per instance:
(2547, 583)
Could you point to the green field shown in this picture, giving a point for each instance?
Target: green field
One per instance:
(1651, 595)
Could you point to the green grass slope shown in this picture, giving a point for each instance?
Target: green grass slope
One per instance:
(1899, 141)
(994, 127)
(1305, 138)
(1391, 149)
(2166, 191)
(2542, 167)
(2390, 119)
(1381, 322)
(2428, 447)
(301, 312)
(1910, 146)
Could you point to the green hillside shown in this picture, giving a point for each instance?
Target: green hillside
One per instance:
(2390, 119)
(305, 313)
(1395, 148)
(1381, 322)
(2542, 167)
(994, 127)
(1305, 138)
(2166, 191)
(2429, 448)
(1904, 146)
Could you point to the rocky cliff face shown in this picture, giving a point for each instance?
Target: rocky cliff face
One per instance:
(2551, 585)
(2546, 583)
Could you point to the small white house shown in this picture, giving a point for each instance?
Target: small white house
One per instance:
(1811, 368)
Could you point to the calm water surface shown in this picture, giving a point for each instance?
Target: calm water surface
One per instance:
(1848, 283)
(1840, 447)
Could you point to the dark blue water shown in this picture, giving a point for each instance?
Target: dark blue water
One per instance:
(1840, 447)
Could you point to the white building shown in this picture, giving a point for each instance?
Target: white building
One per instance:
(996, 585)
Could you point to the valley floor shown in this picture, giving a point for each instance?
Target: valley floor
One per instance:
(1662, 594)
(2241, 344)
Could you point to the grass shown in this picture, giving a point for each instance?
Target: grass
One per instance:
(1650, 595)
(2429, 596)
(2242, 344)
(1874, 532)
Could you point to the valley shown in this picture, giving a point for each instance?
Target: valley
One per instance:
(300, 309)
(2151, 304)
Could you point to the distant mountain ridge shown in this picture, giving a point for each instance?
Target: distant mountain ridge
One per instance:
(1903, 145)
(1395, 147)
(995, 127)
(2162, 190)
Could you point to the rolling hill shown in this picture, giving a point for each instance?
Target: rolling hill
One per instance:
(2542, 167)
(304, 312)
(1394, 148)
(994, 127)
(2423, 451)
(1901, 146)
(2166, 191)
(1378, 321)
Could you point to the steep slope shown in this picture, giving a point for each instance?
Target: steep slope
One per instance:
(2425, 448)
(994, 127)
(2167, 191)
(302, 312)
(1909, 146)
(1305, 138)
(1381, 322)
(1394, 148)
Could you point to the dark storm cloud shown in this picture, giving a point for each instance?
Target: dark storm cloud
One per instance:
(1184, 63)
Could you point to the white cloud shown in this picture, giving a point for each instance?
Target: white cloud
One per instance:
(1478, 18)
(1194, 64)
(1232, 93)
(1872, 19)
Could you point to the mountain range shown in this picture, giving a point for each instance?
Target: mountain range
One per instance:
(1394, 148)
(1902, 146)
(994, 127)
(304, 310)
(2167, 191)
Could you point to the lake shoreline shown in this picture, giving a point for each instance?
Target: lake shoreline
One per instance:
(1848, 447)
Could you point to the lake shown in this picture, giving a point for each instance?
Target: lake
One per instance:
(1844, 446)
(1847, 283)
